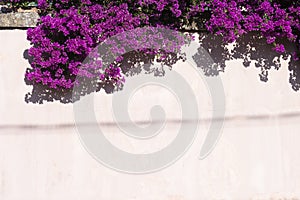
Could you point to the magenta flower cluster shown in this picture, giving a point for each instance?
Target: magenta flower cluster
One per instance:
(64, 39)
(73, 28)
(274, 21)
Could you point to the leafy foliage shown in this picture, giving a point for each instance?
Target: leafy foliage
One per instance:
(70, 29)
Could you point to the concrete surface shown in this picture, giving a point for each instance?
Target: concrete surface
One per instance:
(41, 156)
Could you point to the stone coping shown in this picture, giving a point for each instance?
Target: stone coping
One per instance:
(18, 20)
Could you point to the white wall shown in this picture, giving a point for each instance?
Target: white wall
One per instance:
(41, 156)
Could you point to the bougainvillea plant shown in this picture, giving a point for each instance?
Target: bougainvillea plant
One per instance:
(69, 29)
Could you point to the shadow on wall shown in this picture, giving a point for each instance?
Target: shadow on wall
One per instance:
(249, 48)
(133, 64)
